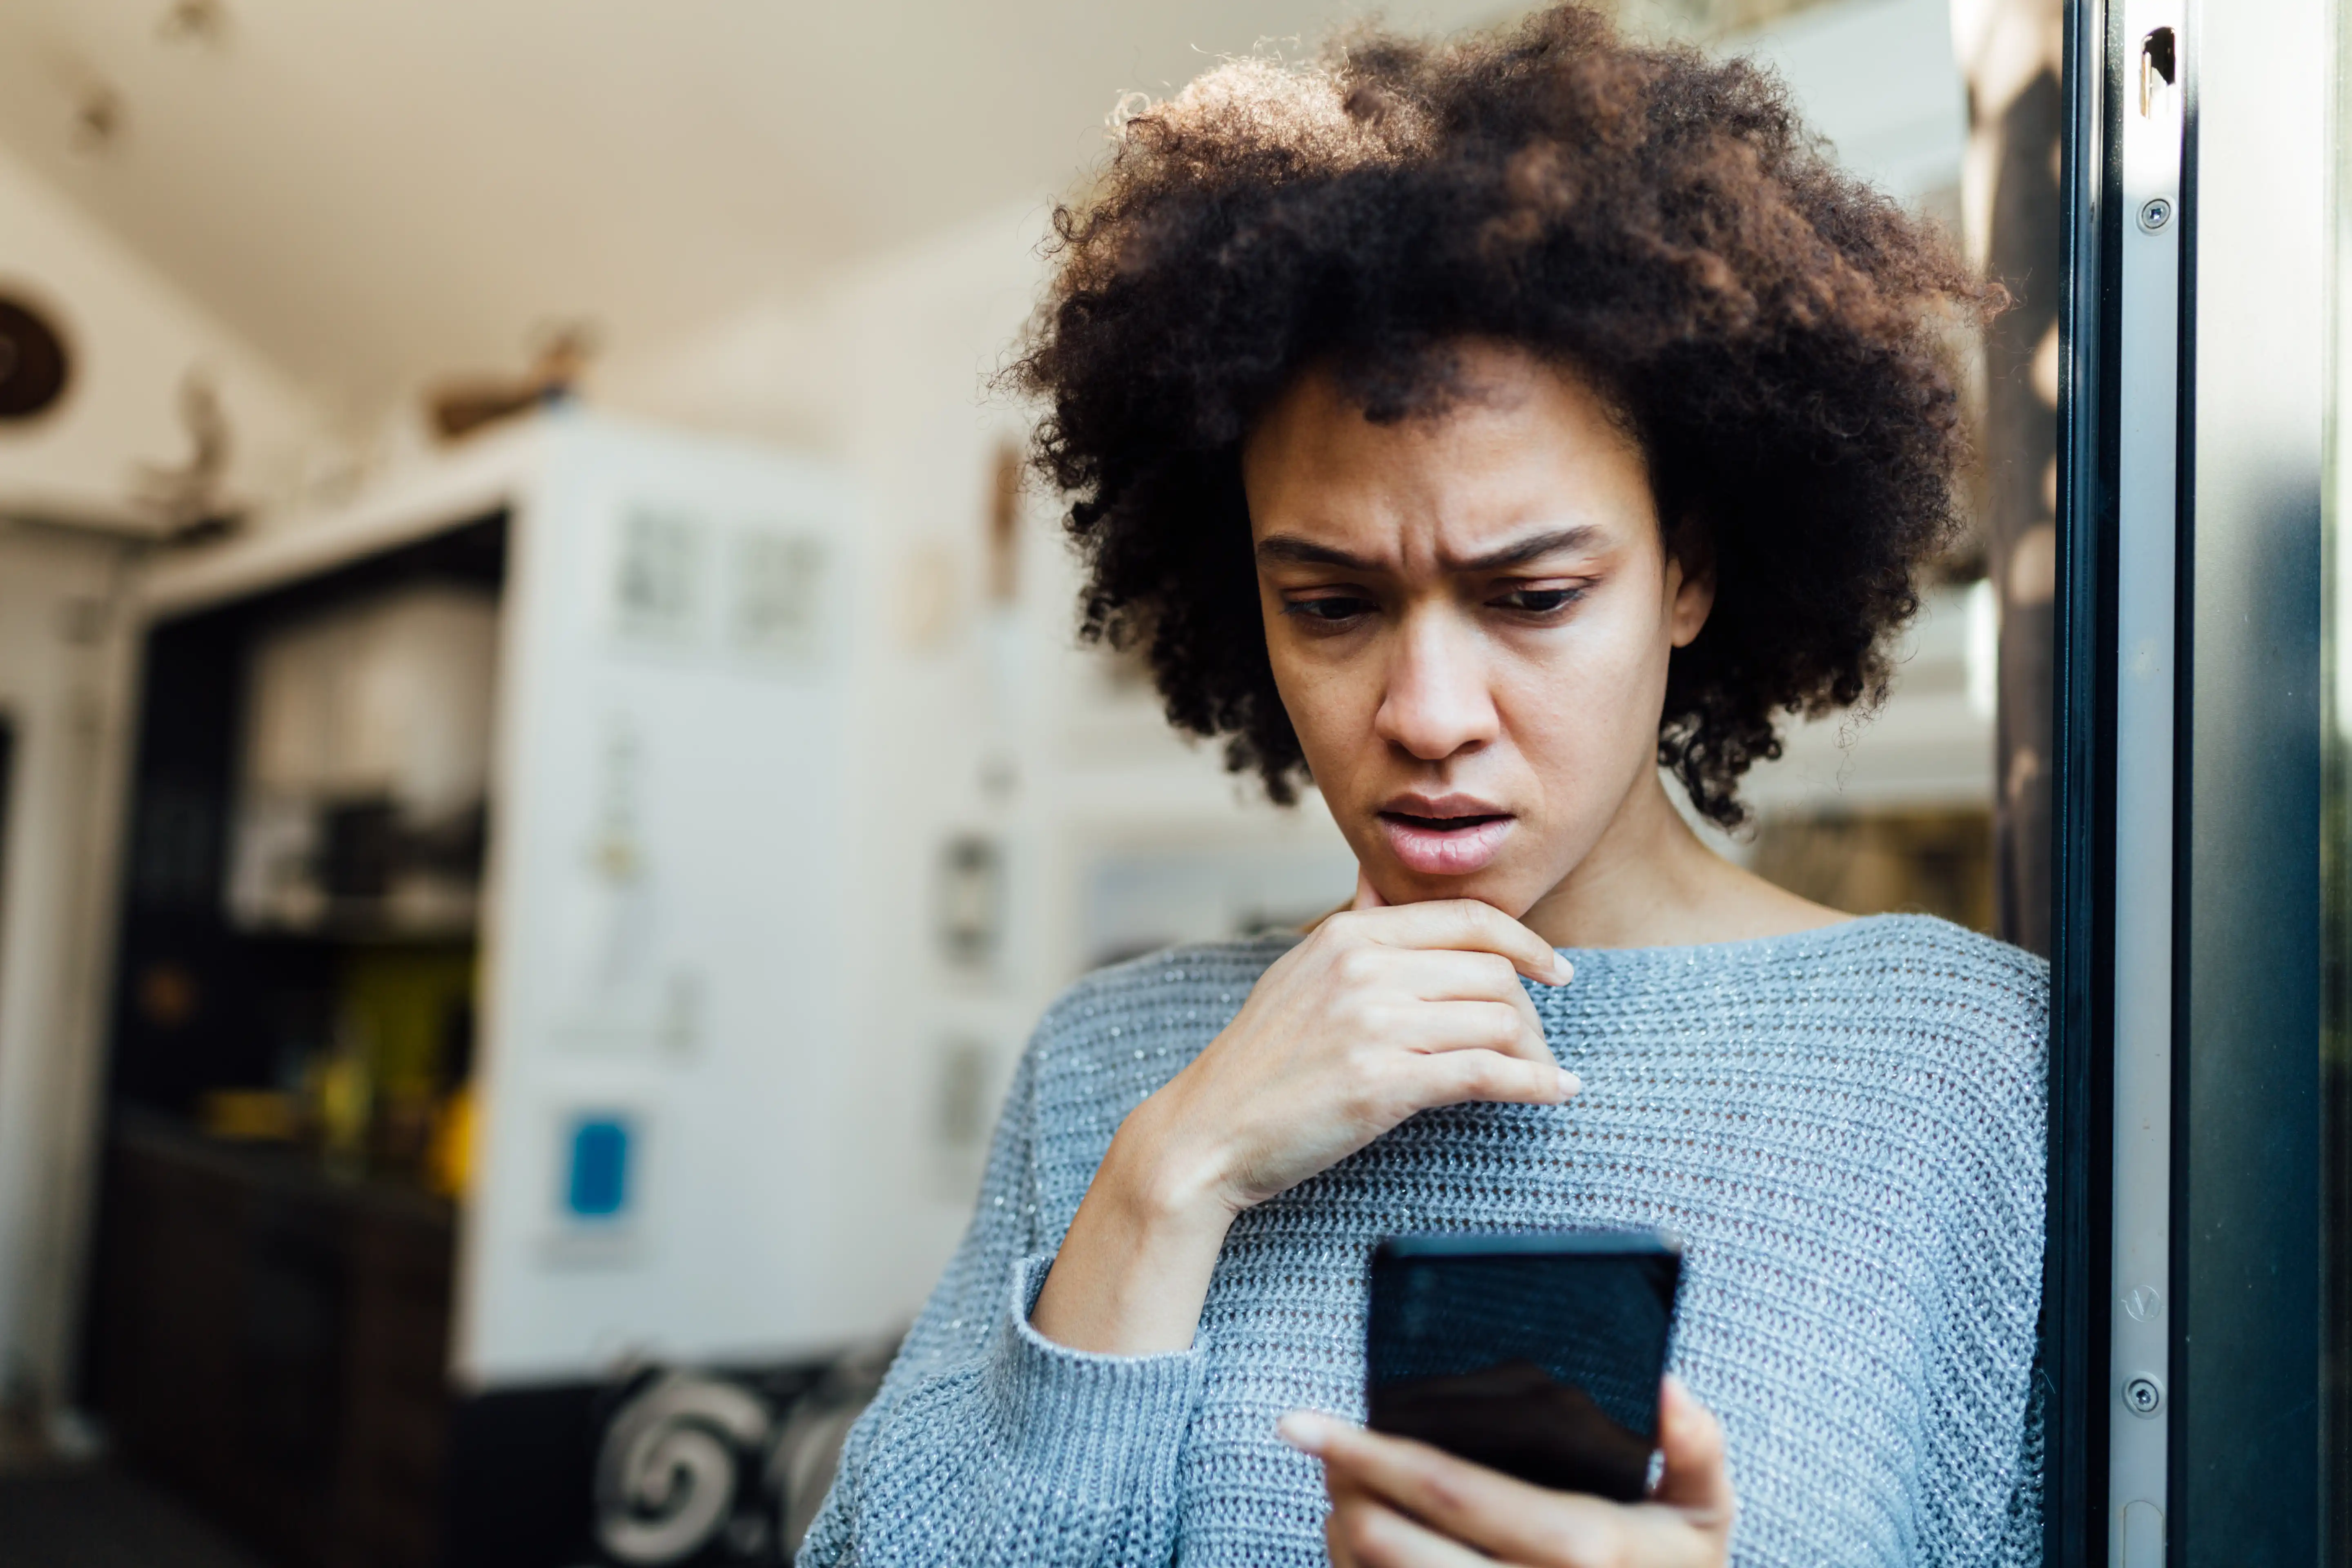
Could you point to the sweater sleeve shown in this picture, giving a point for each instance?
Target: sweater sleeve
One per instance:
(990, 1444)
(2021, 1541)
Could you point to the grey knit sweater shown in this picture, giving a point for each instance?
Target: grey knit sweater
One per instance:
(1845, 1126)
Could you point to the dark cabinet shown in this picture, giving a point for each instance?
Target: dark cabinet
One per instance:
(274, 1344)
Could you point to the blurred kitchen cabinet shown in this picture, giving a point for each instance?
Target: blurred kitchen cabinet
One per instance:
(489, 831)
(273, 1343)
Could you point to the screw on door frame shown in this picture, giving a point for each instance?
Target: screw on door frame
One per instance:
(2142, 1395)
(2155, 213)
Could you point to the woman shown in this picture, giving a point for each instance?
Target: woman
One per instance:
(1474, 430)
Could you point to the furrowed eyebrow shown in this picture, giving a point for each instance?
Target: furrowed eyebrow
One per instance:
(1531, 548)
(1290, 550)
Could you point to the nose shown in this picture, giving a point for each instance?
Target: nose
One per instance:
(1438, 702)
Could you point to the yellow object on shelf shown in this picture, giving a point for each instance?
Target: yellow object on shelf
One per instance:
(250, 1115)
(449, 1159)
(402, 1000)
(346, 1098)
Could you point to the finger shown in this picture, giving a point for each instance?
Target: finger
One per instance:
(1452, 974)
(1426, 1028)
(1362, 1531)
(1335, 1542)
(1448, 974)
(1456, 1077)
(1335, 1545)
(1697, 1475)
(1480, 1508)
(1496, 1513)
(1469, 925)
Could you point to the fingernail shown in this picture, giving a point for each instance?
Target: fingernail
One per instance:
(1305, 1431)
(1563, 968)
(1569, 1083)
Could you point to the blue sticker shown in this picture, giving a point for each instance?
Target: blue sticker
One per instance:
(599, 1183)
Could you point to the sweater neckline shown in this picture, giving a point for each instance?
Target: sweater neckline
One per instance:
(1779, 945)
(1785, 945)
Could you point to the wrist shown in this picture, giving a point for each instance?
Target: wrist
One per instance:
(1133, 1270)
(1165, 1184)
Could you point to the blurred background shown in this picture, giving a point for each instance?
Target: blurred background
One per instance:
(545, 774)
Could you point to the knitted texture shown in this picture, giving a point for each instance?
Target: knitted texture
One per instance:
(1846, 1127)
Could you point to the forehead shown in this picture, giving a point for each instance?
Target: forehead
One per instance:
(1524, 442)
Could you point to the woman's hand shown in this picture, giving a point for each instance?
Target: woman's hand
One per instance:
(1380, 1013)
(1401, 1504)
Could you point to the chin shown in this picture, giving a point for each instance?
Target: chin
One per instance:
(1515, 895)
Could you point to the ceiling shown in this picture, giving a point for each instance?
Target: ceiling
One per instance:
(375, 192)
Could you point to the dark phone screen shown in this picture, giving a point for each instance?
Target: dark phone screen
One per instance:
(1537, 1354)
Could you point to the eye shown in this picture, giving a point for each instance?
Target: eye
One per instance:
(1332, 609)
(1538, 600)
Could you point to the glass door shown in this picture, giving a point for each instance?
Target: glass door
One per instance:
(2335, 819)
(2184, 1313)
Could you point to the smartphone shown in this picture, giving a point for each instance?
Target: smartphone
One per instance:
(1538, 1353)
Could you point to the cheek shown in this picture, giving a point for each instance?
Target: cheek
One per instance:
(1585, 705)
(1331, 703)
(1330, 700)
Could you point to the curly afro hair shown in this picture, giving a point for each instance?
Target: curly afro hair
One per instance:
(1774, 333)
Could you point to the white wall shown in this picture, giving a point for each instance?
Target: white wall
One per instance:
(134, 336)
(63, 669)
(1879, 80)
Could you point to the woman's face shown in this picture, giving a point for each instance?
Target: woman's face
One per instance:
(1470, 617)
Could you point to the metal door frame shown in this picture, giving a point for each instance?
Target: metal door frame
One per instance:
(2238, 1387)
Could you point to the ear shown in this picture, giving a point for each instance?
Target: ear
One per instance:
(1690, 583)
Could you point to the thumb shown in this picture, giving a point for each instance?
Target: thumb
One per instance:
(1696, 1478)
(1366, 896)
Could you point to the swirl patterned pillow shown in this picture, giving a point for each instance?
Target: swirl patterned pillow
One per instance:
(711, 1466)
